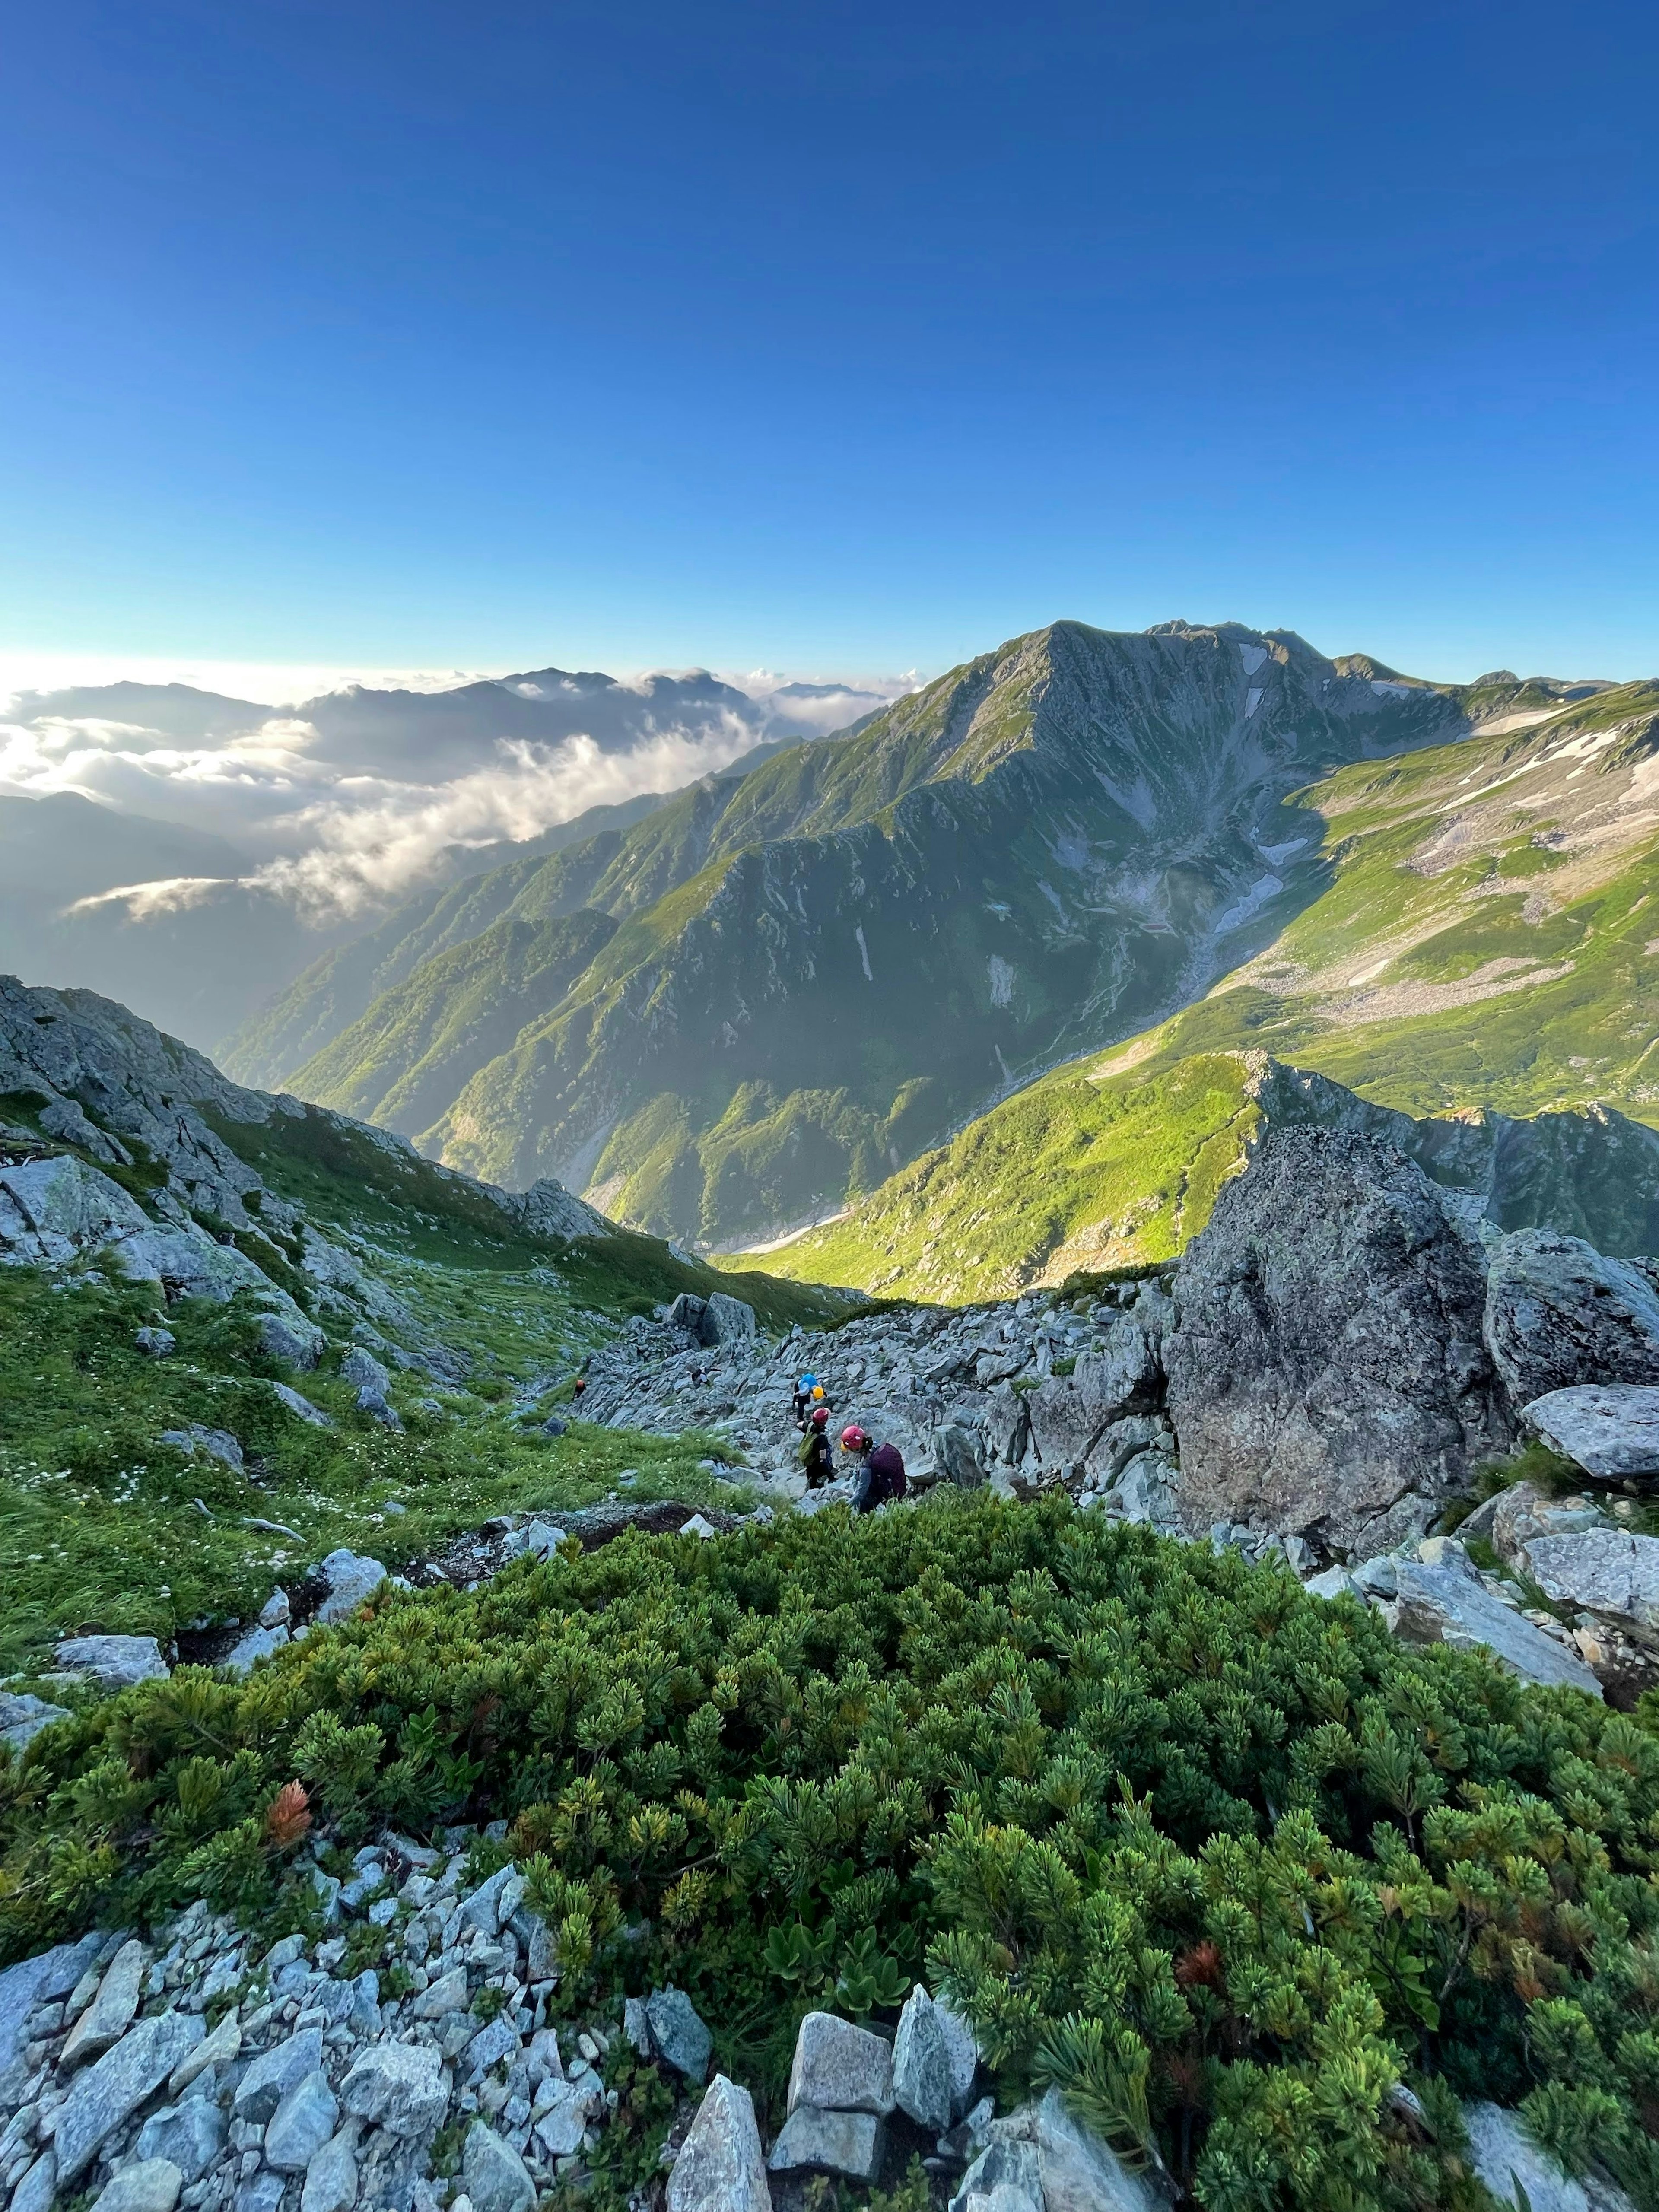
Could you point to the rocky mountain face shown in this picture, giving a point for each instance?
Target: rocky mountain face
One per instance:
(822, 967)
(1083, 1170)
(1327, 1370)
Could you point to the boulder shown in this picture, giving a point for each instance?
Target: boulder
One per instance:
(110, 2014)
(295, 1343)
(114, 1662)
(351, 1578)
(302, 2124)
(1069, 1414)
(677, 2034)
(22, 1716)
(493, 2174)
(61, 1206)
(252, 1645)
(217, 1443)
(829, 2142)
(220, 2049)
(1444, 1601)
(1611, 1429)
(958, 1450)
(1558, 1314)
(721, 2167)
(725, 1319)
(400, 2087)
(841, 2067)
(275, 2072)
(301, 1408)
(39, 2186)
(190, 2135)
(1009, 2163)
(362, 1371)
(1605, 1570)
(1081, 2173)
(1521, 2176)
(923, 2081)
(37, 1981)
(151, 2185)
(157, 1343)
(1327, 1377)
(107, 2094)
(332, 2177)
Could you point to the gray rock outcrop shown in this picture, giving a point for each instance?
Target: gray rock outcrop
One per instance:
(1610, 1430)
(1558, 1314)
(1443, 1600)
(1328, 1377)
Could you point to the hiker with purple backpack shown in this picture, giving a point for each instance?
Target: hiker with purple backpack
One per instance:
(879, 1469)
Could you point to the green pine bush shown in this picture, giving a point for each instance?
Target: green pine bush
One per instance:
(1220, 1861)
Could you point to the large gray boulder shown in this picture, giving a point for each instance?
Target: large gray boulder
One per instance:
(830, 2143)
(1558, 1314)
(1610, 1430)
(1081, 2173)
(113, 1662)
(721, 2167)
(1604, 1571)
(841, 2067)
(50, 1209)
(923, 2081)
(1070, 1414)
(1327, 1377)
(110, 2013)
(1444, 1602)
(493, 2174)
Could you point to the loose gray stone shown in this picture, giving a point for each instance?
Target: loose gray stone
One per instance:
(35, 2191)
(559, 2126)
(364, 1371)
(111, 2012)
(301, 2124)
(351, 1578)
(252, 1645)
(301, 1407)
(1447, 1603)
(1520, 2176)
(38, 1981)
(1010, 2165)
(159, 1343)
(400, 2087)
(22, 1716)
(296, 1343)
(679, 2036)
(217, 1443)
(829, 2142)
(494, 2175)
(192, 2135)
(114, 1662)
(275, 2072)
(923, 2083)
(260, 2192)
(220, 2049)
(493, 1901)
(152, 2185)
(1079, 2171)
(332, 2177)
(495, 2041)
(1603, 1569)
(447, 1995)
(721, 2167)
(1612, 1430)
(840, 2068)
(637, 2027)
(1334, 1582)
(112, 2090)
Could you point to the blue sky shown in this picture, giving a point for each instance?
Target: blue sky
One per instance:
(828, 338)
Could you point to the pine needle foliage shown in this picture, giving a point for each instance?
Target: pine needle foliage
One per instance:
(1221, 1862)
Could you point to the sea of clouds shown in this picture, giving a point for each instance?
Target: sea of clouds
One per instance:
(335, 835)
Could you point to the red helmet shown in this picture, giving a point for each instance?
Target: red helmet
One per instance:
(853, 1438)
(820, 1417)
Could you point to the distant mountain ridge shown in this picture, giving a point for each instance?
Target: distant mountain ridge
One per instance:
(180, 923)
(820, 969)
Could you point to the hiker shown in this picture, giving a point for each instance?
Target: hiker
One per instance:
(880, 1470)
(817, 1460)
(809, 1396)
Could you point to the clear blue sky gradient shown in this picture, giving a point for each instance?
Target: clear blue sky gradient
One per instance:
(828, 338)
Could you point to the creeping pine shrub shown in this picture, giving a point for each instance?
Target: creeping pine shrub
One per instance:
(1218, 1861)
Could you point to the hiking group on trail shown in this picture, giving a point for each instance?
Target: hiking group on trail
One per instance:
(878, 1468)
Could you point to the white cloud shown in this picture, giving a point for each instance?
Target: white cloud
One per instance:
(339, 836)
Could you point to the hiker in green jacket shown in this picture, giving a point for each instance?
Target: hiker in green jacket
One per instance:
(817, 1460)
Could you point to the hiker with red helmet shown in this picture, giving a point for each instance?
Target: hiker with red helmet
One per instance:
(816, 1459)
(880, 1471)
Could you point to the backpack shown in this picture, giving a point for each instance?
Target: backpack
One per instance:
(887, 1468)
